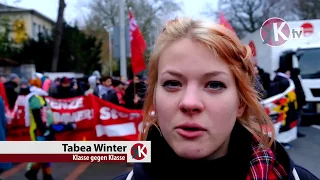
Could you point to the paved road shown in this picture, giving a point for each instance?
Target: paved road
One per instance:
(305, 152)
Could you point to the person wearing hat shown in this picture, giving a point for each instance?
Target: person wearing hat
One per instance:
(64, 90)
(281, 81)
(24, 87)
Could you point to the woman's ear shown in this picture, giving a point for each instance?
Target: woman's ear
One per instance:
(241, 109)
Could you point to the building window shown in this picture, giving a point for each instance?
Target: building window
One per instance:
(35, 31)
(39, 29)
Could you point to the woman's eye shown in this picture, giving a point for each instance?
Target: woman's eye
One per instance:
(171, 84)
(215, 85)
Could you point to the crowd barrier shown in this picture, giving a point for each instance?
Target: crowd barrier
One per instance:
(100, 120)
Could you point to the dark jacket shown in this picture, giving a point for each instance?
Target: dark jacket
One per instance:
(61, 92)
(242, 160)
(301, 97)
(11, 92)
(278, 85)
(140, 90)
(264, 79)
(112, 97)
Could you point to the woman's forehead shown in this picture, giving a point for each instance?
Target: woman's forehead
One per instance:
(190, 57)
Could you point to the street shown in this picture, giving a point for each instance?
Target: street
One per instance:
(305, 152)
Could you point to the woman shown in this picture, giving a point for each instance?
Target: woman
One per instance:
(201, 88)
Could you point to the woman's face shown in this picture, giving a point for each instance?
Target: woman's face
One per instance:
(196, 100)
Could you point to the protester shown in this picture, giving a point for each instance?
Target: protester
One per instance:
(3, 127)
(39, 117)
(64, 90)
(35, 108)
(116, 96)
(92, 81)
(105, 87)
(12, 89)
(46, 84)
(24, 87)
(258, 84)
(264, 79)
(135, 93)
(3, 95)
(54, 86)
(3, 79)
(301, 97)
(201, 88)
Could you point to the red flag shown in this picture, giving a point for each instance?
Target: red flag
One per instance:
(224, 22)
(138, 46)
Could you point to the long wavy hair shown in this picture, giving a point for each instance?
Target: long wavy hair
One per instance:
(225, 44)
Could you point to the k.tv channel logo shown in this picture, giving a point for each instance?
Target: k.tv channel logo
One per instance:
(140, 152)
(276, 31)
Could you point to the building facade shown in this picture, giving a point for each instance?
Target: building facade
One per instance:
(24, 23)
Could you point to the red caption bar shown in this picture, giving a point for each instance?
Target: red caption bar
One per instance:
(94, 158)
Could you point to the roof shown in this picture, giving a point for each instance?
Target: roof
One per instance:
(8, 62)
(11, 9)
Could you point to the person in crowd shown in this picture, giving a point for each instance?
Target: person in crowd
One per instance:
(105, 87)
(201, 90)
(24, 87)
(280, 82)
(264, 79)
(46, 83)
(75, 87)
(97, 74)
(3, 79)
(124, 80)
(12, 89)
(4, 95)
(258, 84)
(3, 128)
(92, 81)
(39, 116)
(301, 98)
(54, 86)
(116, 96)
(135, 93)
(64, 90)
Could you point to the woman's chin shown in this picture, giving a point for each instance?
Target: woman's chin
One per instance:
(192, 153)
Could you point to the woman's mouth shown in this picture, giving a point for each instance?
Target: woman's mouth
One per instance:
(190, 130)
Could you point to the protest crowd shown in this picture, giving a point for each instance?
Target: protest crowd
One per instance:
(116, 90)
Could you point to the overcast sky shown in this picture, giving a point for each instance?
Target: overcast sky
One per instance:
(73, 11)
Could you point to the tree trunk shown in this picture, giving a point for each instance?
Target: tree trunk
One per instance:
(58, 36)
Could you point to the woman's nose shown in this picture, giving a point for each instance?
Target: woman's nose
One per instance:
(191, 102)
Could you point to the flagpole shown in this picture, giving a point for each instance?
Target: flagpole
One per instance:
(123, 61)
(134, 84)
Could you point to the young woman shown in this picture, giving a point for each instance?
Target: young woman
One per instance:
(208, 122)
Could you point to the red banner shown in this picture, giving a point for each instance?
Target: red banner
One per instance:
(96, 119)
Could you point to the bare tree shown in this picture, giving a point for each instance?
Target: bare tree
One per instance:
(148, 13)
(58, 36)
(307, 9)
(247, 16)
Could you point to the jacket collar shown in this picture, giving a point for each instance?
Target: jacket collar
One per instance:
(165, 161)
